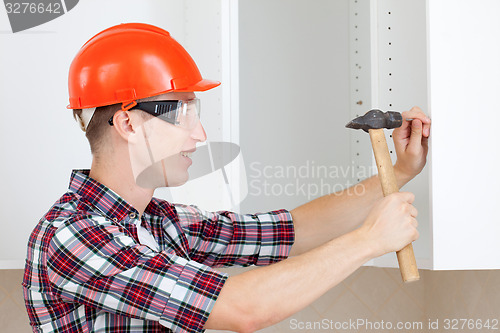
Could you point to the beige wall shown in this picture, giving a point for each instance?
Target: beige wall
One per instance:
(376, 294)
(13, 316)
(371, 294)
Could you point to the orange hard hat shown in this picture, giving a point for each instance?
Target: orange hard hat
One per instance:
(128, 62)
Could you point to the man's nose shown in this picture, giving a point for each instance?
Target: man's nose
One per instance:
(199, 132)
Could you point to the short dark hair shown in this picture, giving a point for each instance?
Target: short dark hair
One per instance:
(98, 125)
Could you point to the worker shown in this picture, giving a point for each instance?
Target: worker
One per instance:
(109, 257)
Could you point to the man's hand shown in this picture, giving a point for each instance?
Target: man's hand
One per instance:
(411, 143)
(331, 216)
(260, 297)
(391, 224)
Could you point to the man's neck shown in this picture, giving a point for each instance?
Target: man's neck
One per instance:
(123, 183)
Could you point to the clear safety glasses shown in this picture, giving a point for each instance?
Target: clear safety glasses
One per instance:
(182, 113)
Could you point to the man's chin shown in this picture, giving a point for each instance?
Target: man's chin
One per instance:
(176, 183)
(156, 177)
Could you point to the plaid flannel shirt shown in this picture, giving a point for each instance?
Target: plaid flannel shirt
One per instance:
(87, 272)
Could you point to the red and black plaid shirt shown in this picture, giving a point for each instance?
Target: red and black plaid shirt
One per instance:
(86, 270)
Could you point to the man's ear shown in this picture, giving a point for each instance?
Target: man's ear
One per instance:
(125, 124)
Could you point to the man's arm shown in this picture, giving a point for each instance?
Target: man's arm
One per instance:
(94, 262)
(332, 215)
(267, 295)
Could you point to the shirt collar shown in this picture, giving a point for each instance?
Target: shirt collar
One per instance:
(100, 196)
(109, 202)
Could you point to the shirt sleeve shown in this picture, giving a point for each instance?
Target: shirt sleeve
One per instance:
(96, 263)
(224, 238)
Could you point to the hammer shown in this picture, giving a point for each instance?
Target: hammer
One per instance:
(374, 122)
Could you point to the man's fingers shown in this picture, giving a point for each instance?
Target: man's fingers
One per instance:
(413, 211)
(416, 113)
(422, 129)
(407, 196)
(416, 135)
(426, 130)
(416, 109)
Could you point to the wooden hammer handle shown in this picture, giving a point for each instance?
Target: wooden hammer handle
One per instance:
(406, 257)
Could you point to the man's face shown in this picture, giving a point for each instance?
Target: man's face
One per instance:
(161, 150)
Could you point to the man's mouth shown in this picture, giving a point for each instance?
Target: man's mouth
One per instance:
(188, 153)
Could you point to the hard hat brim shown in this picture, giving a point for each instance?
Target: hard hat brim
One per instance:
(202, 85)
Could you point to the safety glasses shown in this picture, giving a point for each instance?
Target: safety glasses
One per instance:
(182, 113)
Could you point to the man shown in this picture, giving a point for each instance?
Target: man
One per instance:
(108, 257)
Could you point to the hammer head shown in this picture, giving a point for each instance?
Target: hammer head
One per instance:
(375, 119)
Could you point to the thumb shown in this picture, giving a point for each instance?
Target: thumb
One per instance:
(416, 135)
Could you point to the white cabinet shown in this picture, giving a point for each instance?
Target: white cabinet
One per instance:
(306, 68)
(443, 55)
(463, 72)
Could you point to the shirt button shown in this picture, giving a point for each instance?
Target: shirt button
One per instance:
(132, 215)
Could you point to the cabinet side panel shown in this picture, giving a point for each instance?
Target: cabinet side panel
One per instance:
(464, 72)
(400, 48)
